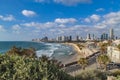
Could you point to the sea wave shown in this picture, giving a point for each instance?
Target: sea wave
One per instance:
(55, 50)
(50, 50)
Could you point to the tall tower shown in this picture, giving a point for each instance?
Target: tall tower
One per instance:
(88, 37)
(111, 33)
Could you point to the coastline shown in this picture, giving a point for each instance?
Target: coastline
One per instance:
(75, 47)
(75, 56)
(78, 53)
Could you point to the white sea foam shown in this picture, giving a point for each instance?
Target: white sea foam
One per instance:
(54, 50)
(45, 52)
(50, 51)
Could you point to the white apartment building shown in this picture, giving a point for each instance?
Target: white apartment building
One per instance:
(113, 52)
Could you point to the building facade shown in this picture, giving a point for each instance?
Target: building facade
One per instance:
(104, 36)
(111, 34)
(114, 54)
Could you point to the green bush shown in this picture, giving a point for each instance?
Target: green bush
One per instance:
(92, 75)
(25, 68)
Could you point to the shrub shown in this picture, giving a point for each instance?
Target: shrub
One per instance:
(25, 68)
(91, 75)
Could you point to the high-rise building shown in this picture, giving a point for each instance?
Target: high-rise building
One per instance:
(111, 33)
(88, 37)
(77, 38)
(104, 36)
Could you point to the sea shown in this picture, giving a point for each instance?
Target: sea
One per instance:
(54, 50)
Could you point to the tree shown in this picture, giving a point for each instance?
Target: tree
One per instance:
(118, 46)
(80, 46)
(103, 60)
(103, 47)
(83, 62)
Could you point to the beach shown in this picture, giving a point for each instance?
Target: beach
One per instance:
(75, 56)
(78, 53)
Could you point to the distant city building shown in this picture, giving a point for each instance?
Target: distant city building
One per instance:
(88, 37)
(64, 38)
(104, 36)
(93, 37)
(70, 38)
(44, 39)
(77, 38)
(111, 33)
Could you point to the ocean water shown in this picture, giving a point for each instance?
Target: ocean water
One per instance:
(49, 49)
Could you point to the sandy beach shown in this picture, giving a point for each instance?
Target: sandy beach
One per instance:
(78, 53)
(74, 56)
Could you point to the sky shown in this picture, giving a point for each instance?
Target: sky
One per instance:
(23, 20)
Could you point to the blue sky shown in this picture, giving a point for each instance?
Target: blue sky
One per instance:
(27, 19)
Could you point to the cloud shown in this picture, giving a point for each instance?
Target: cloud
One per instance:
(110, 20)
(65, 20)
(28, 13)
(60, 26)
(92, 18)
(38, 25)
(72, 2)
(7, 18)
(65, 2)
(39, 1)
(2, 29)
(16, 28)
(87, 20)
(95, 17)
(42, 1)
(100, 9)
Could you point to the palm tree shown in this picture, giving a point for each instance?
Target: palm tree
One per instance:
(103, 47)
(103, 60)
(83, 62)
(118, 46)
(80, 46)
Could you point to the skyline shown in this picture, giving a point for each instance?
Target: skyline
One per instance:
(28, 19)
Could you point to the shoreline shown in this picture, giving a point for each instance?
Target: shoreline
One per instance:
(78, 53)
(75, 47)
(75, 56)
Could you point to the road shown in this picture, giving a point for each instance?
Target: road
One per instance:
(75, 68)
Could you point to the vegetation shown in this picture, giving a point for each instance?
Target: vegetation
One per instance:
(26, 68)
(103, 60)
(83, 62)
(103, 47)
(22, 64)
(80, 46)
(118, 46)
(92, 75)
(22, 52)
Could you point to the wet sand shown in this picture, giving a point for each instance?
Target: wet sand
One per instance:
(85, 52)
(72, 57)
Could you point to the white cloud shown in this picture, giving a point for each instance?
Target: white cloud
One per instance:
(65, 20)
(92, 18)
(7, 18)
(87, 20)
(16, 29)
(40, 25)
(28, 13)
(111, 20)
(43, 1)
(95, 17)
(61, 26)
(100, 9)
(2, 29)
(72, 2)
(39, 1)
